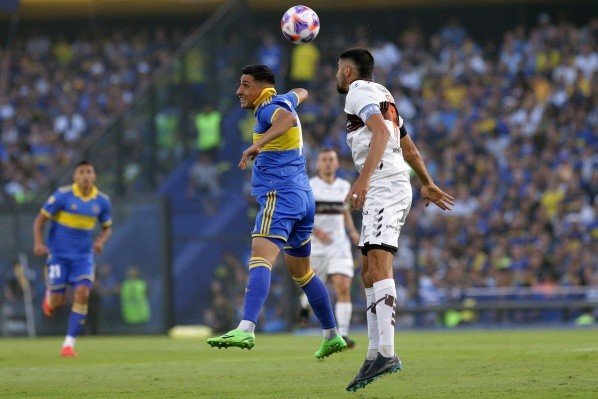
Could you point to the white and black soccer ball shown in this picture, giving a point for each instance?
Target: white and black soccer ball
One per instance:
(300, 24)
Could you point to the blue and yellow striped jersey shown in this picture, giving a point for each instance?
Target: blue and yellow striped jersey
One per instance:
(73, 219)
(281, 163)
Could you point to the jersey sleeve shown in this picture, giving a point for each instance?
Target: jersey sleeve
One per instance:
(286, 101)
(266, 114)
(292, 98)
(53, 204)
(105, 216)
(360, 96)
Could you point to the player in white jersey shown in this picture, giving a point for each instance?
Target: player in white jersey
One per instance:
(331, 254)
(383, 153)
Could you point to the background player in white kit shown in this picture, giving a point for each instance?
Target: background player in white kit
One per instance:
(383, 154)
(331, 254)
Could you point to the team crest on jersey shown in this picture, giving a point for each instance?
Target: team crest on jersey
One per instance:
(74, 207)
(95, 209)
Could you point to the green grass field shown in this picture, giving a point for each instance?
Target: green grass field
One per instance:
(436, 364)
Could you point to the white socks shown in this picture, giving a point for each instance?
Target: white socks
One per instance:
(343, 311)
(329, 333)
(385, 293)
(373, 335)
(247, 326)
(69, 341)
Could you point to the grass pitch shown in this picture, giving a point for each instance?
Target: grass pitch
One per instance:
(436, 364)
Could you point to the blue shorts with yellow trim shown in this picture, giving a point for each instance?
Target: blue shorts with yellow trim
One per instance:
(61, 271)
(287, 215)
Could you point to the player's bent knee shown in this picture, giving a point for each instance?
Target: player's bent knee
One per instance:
(81, 290)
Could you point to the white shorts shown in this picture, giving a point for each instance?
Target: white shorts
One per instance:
(386, 207)
(324, 266)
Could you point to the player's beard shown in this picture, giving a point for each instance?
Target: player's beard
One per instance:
(341, 89)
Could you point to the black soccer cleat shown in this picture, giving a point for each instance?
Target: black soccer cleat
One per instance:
(352, 387)
(380, 366)
(304, 316)
(349, 341)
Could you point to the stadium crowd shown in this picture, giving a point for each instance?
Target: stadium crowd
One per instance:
(510, 129)
(54, 91)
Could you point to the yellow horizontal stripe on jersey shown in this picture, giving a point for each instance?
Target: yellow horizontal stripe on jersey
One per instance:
(74, 221)
(289, 140)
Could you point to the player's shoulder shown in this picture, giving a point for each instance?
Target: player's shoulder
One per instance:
(343, 184)
(362, 85)
(284, 100)
(103, 195)
(64, 189)
(62, 192)
(315, 181)
(341, 181)
(360, 89)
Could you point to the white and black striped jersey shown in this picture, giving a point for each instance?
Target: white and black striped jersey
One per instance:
(330, 208)
(361, 97)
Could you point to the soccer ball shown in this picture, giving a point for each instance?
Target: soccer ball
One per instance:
(300, 24)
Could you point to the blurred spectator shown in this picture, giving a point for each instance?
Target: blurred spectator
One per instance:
(229, 281)
(134, 303)
(305, 61)
(208, 125)
(271, 53)
(204, 177)
(70, 125)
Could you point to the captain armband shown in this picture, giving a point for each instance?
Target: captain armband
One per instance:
(368, 111)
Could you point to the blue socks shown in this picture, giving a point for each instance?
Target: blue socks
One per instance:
(318, 298)
(77, 320)
(260, 271)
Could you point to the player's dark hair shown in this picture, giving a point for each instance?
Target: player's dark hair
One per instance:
(83, 162)
(261, 73)
(327, 149)
(363, 59)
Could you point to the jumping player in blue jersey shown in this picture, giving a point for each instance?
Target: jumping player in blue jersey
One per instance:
(287, 208)
(73, 211)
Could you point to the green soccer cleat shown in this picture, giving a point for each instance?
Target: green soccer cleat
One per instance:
(330, 346)
(240, 339)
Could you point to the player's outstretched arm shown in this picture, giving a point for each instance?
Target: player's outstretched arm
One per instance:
(301, 93)
(430, 192)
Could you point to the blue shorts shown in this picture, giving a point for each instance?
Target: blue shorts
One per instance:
(286, 215)
(61, 271)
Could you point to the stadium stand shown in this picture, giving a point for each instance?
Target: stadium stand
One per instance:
(508, 125)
